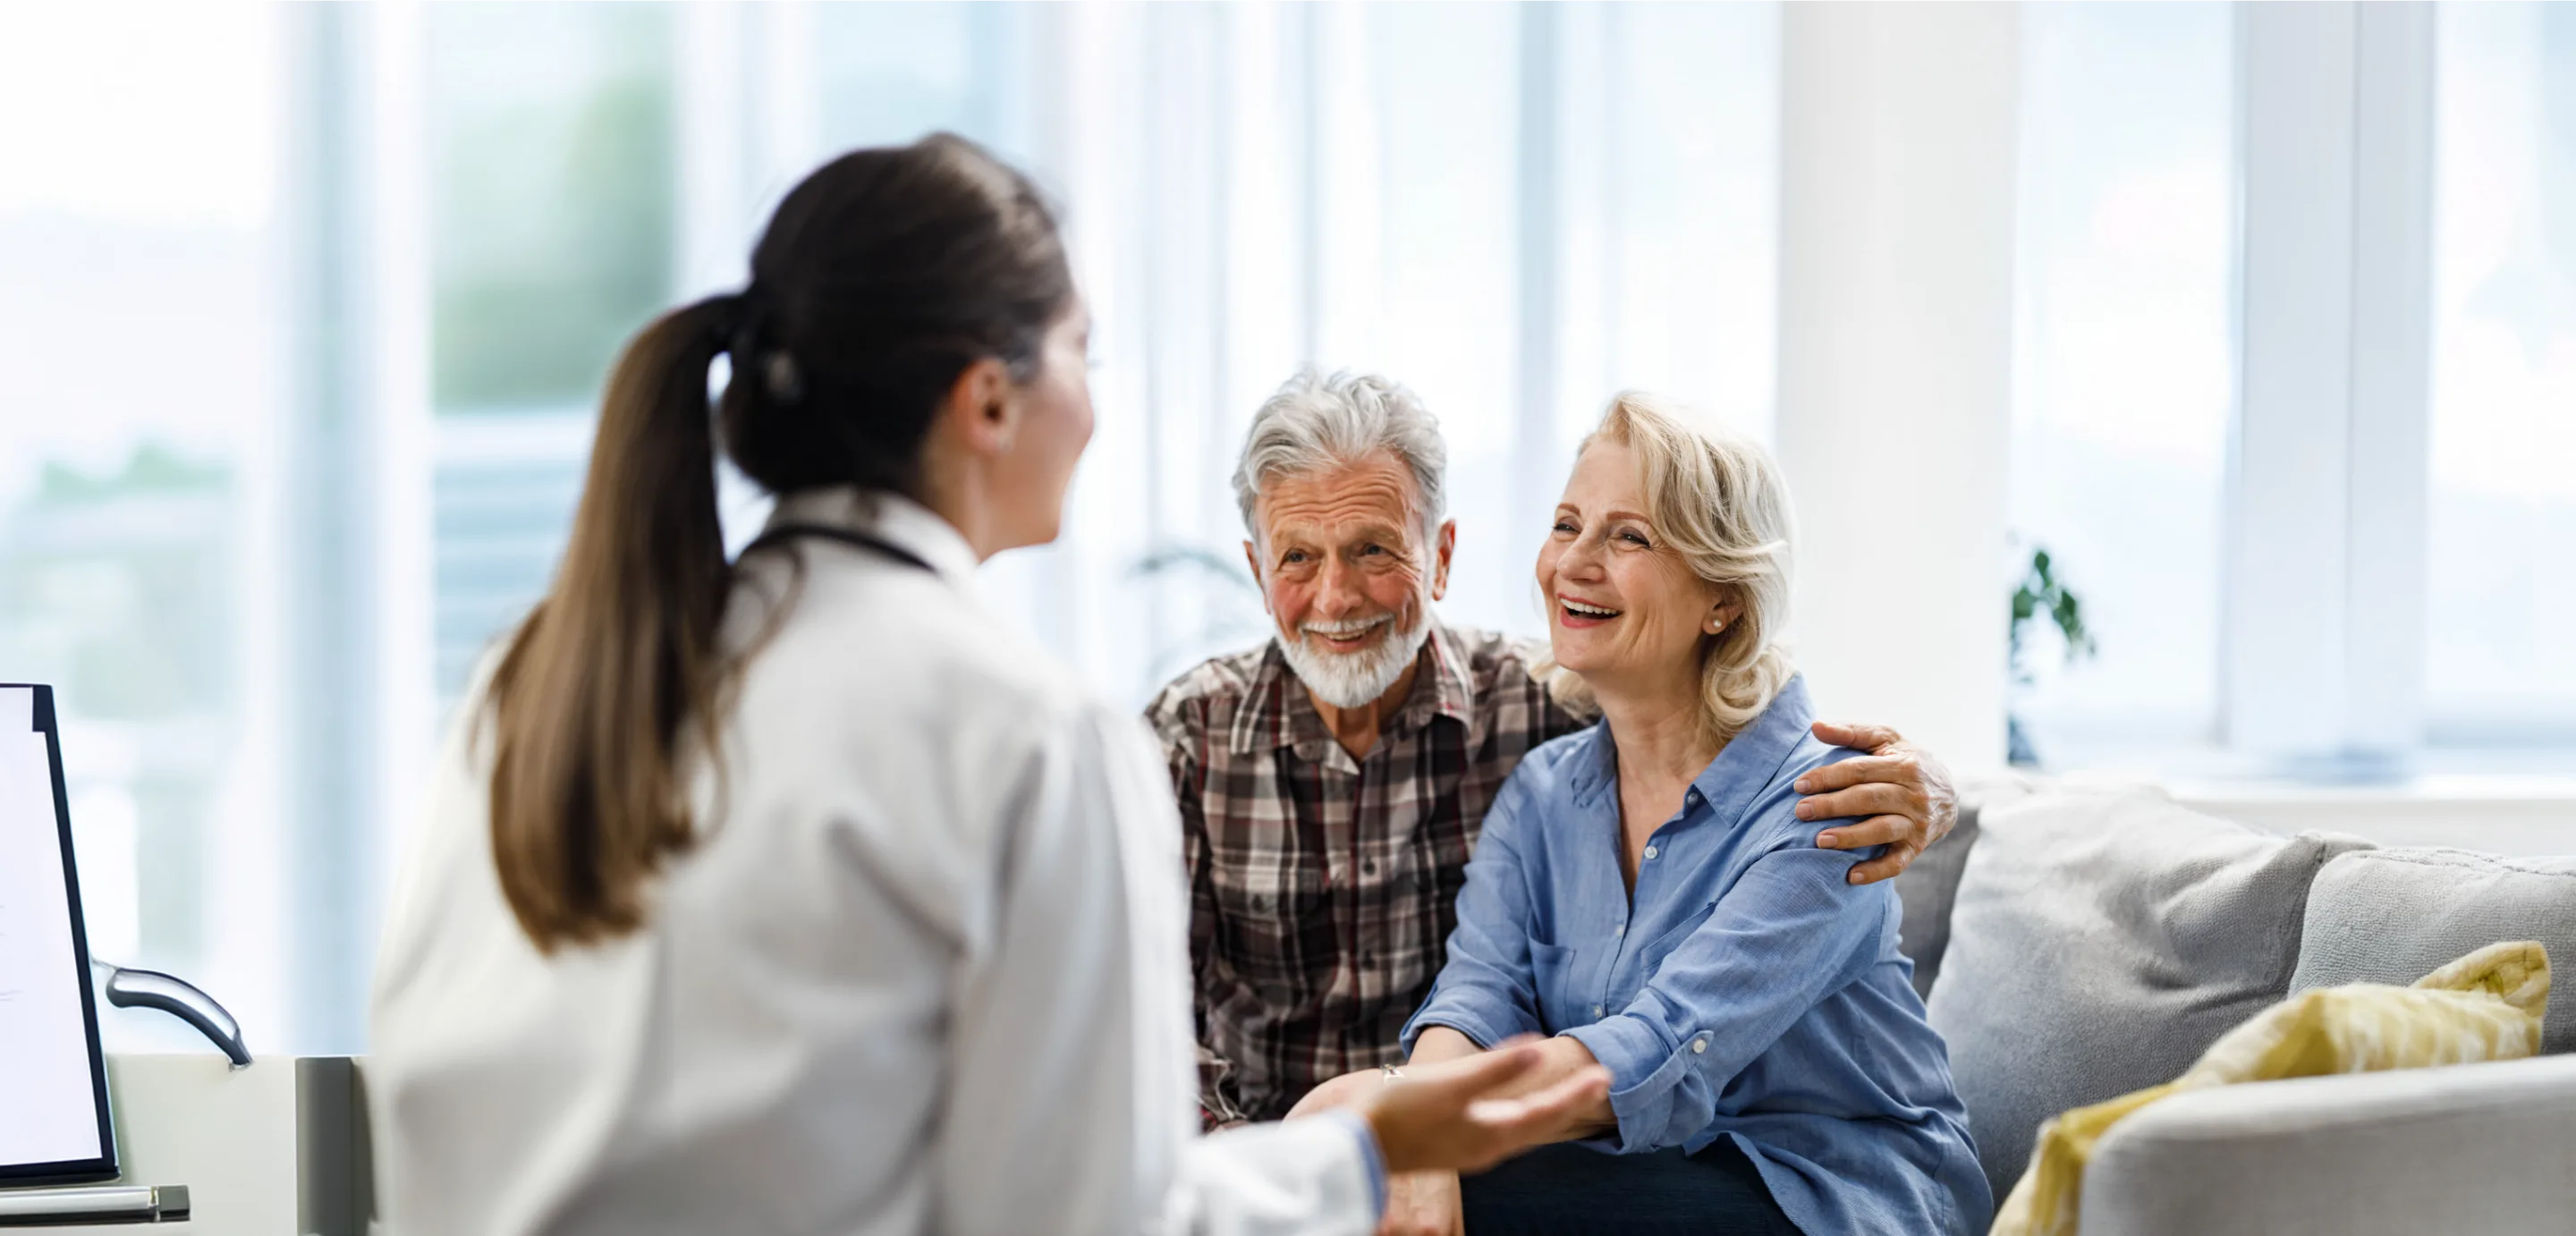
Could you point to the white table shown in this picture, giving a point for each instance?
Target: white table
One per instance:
(276, 1149)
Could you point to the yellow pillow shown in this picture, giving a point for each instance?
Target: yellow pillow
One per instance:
(2485, 1006)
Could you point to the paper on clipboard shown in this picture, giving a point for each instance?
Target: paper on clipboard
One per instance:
(48, 1111)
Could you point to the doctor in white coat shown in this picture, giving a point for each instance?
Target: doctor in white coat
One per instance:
(796, 894)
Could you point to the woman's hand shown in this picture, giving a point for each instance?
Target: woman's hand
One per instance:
(1423, 1204)
(1899, 794)
(1452, 1116)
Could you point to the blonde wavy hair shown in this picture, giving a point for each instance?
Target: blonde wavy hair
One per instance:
(1719, 504)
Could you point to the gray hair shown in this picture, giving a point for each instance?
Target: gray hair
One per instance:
(1314, 422)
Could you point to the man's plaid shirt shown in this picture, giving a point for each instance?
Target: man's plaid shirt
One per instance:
(1323, 888)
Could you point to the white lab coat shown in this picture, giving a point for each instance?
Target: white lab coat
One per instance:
(924, 970)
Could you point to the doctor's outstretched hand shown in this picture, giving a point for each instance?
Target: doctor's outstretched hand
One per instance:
(1450, 1116)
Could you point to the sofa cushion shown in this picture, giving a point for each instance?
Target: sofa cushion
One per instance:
(2101, 941)
(1929, 886)
(2381, 915)
(2483, 1007)
(1927, 889)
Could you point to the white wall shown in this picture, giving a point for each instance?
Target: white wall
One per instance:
(1896, 245)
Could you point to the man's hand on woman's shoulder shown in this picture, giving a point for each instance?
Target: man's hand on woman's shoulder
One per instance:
(1899, 796)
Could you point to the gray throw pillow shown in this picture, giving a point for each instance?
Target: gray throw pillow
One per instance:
(2101, 941)
(2396, 915)
(1930, 885)
(1927, 889)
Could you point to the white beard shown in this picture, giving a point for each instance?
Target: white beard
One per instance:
(1356, 679)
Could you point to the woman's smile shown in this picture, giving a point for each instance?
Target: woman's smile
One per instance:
(1577, 613)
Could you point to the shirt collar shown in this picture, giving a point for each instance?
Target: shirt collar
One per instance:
(1451, 693)
(1277, 712)
(1730, 782)
(896, 519)
(1739, 772)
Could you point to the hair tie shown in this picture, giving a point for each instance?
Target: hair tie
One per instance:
(780, 377)
(738, 331)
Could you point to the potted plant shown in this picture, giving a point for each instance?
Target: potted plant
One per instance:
(2039, 593)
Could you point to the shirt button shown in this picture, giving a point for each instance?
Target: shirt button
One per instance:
(1369, 867)
(1650, 851)
(1620, 930)
(1596, 1010)
(1698, 1046)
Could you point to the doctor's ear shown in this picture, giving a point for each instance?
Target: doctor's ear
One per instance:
(984, 407)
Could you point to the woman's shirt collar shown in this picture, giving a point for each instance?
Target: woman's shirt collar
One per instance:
(1730, 782)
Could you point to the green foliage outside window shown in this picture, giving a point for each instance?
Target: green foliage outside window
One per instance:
(553, 181)
(2041, 594)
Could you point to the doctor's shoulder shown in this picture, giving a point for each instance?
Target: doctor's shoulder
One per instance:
(901, 728)
(918, 659)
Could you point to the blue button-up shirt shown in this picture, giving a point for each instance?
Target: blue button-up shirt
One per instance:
(1746, 990)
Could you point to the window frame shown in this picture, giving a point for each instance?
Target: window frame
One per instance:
(2322, 634)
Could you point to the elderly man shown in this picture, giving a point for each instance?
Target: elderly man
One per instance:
(1332, 780)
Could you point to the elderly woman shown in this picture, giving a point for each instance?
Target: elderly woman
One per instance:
(1645, 893)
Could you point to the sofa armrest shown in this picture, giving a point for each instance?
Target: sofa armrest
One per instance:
(2487, 1148)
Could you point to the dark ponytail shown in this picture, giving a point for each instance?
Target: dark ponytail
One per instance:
(879, 280)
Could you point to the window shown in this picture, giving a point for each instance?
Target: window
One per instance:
(893, 72)
(2294, 428)
(140, 331)
(2499, 668)
(1668, 150)
(552, 178)
(2124, 377)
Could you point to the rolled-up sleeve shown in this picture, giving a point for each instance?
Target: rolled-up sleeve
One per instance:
(1787, 934)
(1486, 990)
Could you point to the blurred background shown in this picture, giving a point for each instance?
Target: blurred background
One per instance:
(303, 311)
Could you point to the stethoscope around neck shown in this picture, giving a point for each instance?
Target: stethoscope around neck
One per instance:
(784, 533)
